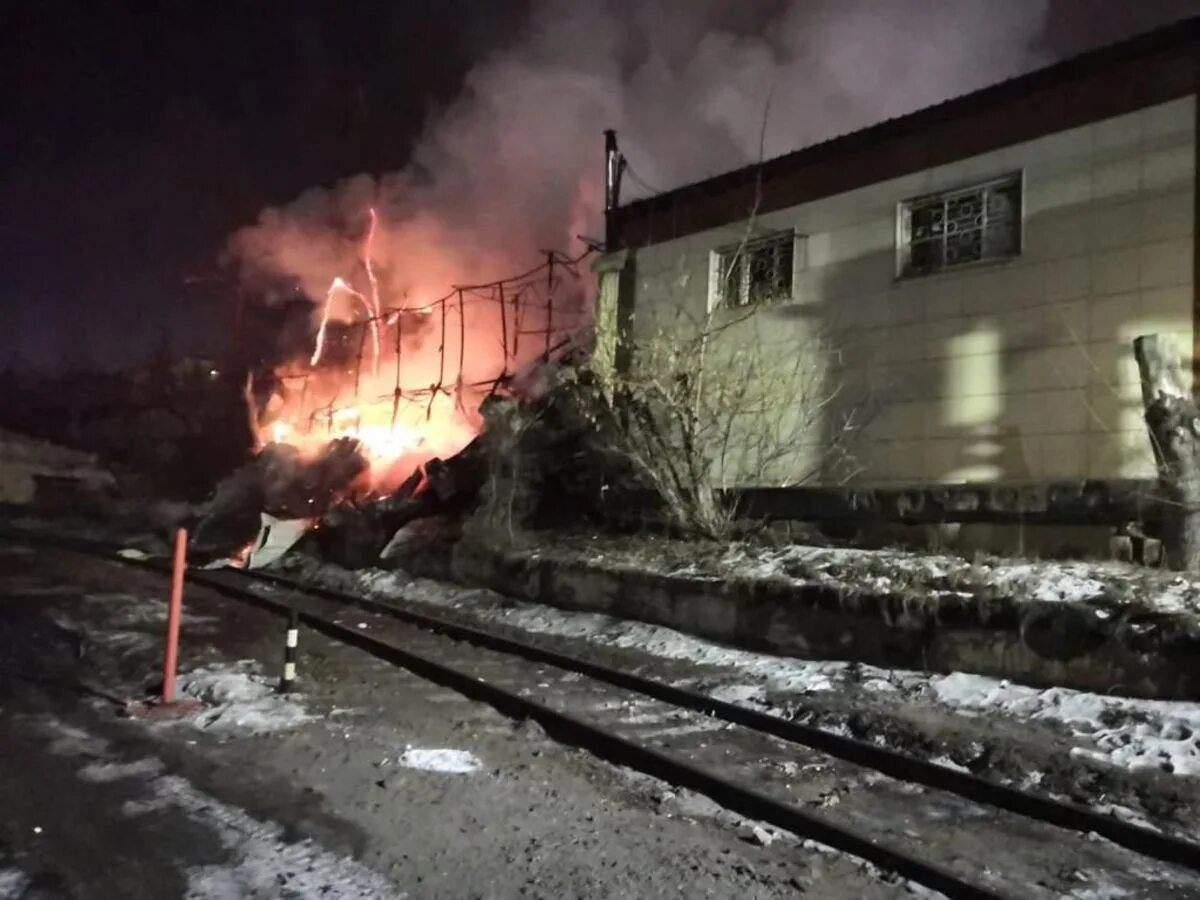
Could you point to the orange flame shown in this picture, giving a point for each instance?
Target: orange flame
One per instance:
(431, 363)
(374, 286)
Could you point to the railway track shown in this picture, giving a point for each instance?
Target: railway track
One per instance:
(940, 827)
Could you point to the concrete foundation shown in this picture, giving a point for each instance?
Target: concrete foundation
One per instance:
(1134, 653)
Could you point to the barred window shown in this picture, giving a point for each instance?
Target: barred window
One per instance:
(955, 228)
(755, 271)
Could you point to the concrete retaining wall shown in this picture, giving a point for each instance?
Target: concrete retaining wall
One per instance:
(1037, 643)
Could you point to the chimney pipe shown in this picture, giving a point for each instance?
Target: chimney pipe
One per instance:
(613, 165)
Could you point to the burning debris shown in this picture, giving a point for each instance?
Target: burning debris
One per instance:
(282, 482)
(375, 423)
(405, 378)
(343, 487)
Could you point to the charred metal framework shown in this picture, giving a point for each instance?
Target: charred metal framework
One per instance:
(975, 224)
(551, 292)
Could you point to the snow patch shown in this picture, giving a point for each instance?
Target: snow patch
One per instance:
(262, 863)
(1121, 731)
(13, 883)
(67, 740)
(239, 699)
(104, 772)
(1099, 892)
(1042, 581)
(458, 762)
(132, 611)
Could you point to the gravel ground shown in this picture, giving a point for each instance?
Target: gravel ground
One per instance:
(1092, 749)
(369, 782)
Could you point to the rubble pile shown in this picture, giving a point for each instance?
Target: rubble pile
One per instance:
(539, 461)
(279, 482)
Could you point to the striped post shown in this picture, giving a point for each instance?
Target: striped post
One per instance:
(289, 652)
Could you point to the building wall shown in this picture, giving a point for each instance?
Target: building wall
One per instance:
(1018, 370)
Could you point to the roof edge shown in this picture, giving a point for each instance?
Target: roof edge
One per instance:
(1167, 38)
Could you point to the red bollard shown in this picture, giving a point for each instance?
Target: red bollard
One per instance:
(173, 614)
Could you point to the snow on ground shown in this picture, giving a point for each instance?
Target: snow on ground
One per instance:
(239, 699)
(1133, 734)
(128, 611)
(1130, 733)
(458, 762)
(105, 772)
(24, 458)
(262, 861)
(1046, 581)
(13, 883)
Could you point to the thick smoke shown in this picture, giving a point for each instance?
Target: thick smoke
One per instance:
(513, 166)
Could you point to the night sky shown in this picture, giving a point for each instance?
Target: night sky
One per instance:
(133, 142)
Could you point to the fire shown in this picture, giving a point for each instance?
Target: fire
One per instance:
(325, 399)
(308, 417)
(238, 559)
(402, 375)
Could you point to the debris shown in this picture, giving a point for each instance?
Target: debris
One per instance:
(275, 538)
(457, 762)
(756, 834)
(281, 483)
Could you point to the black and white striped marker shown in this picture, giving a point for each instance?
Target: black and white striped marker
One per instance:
(289, 652)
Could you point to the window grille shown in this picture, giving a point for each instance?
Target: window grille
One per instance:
(756, 271)
(959, 227)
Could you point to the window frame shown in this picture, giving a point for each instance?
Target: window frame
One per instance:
(716, 280)
(903, 251)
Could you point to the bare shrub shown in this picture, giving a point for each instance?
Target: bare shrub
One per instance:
(705, 407)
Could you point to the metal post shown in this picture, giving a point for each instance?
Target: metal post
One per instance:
(503, 326)
(462, 337)
(549, 300)
(612, 188)
(289, 652)
(396, 391)
(612, 170)
(171, 657)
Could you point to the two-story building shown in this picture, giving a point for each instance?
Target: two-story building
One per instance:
(975, 271)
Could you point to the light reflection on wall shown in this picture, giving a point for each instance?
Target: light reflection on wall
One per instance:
(973, 402)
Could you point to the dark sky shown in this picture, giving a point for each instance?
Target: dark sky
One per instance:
(134, 142)
(135, 137)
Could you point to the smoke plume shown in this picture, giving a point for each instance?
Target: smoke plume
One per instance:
(513, 166)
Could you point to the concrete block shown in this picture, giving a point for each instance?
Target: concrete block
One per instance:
(1115, 225)
(1115, 272)
(1113, 317)
(1068, 278)
(1166, 263)
(1169, 168)
(1116, 180)
(1168, 215)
